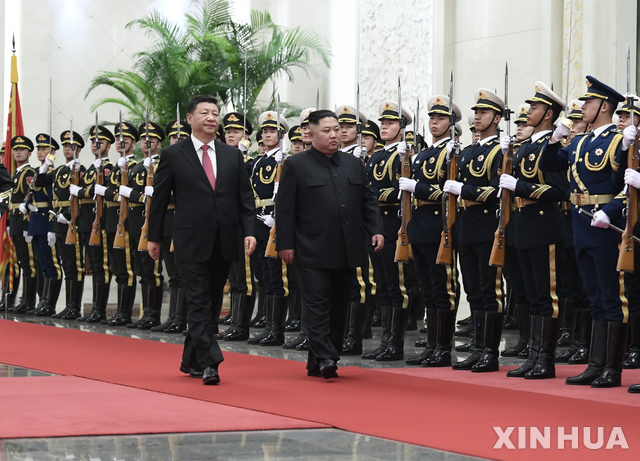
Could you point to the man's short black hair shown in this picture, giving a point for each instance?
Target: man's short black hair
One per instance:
(317, 115)
(193, 102)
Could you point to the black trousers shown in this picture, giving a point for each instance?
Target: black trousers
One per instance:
(98, 257)
(392, 277)
(539, 266)
(121, 261)
(325, 299)
(169, 262)
(72, 257)
(150, 271)
(482, 282)
(240, 275)
(438, 282)
(203, 283)
(25, 256)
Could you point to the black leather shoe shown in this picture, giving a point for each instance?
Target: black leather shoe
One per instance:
(464, 332)
(176, 327)
(148, 323)
(71, 315)
(162, 327)
(328, 368)
(187, 370)
(293, 325)
(95, 317)
(210, 376)
(119, 320)
(304, 345)
(634, 389)
(295, 342)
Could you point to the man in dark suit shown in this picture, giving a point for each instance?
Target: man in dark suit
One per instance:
(325, 210)
(213, 204)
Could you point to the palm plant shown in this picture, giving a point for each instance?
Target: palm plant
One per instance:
(208, 56)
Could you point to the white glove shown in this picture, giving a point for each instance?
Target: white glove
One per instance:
(97, 164)
(61, 219)
(43, 169)
(360, 152)
(505, 142)
(562, 131)
(122, 163)
(23, 208)
(125, 191)
(629, 136)
(408, 184)
(402, 149)
(73, 189)
(600, 219)
(148, 191)
(242, 148)
(51, 239)
(27, 238)
(450, 145)
(507, 181)
(147, 163)
(275, 189)
(100, 190)
(278, 156)
(8, 230)
(452, 187)
(269, 221)
(47, 163)
(632, 178)
(76, 165)
(32, 207)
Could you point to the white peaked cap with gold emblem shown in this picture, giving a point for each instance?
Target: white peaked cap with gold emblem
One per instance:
(268, 119)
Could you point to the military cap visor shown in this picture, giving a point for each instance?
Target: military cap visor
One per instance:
(389, 111)
(372, 129)
(128, 130)
(268, 119)
(21, 142)
(440, 105)
(545, 95)
(172, 128)
(103, 134)
(486, 99)
(65, 138)
(154, 130)
(349, 114)
(597, 89)
(237, 120)
(45, 140)
(295, 133)
(304, 115)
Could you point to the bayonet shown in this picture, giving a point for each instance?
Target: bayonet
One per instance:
(178, 118)
(317, 98)
(95, 133)
(50, 117)
(244, 103)
(400, 118)
(358, 124)
(278, 118)
(507, 112)
(416, 125)
(120, 136)
(146, 132)
(452, 117)
(566, 91)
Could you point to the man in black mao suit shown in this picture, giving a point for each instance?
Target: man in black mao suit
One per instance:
(325, 210)
(213, 204)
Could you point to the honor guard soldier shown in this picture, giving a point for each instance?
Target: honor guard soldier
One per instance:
(305, 132)
(151, 278)
(475, 135)
(538, 233)
(242, 286)
(121, 251)
(177, 319)
(72, 257)
(98, 254)
(571, 285)
(22, 147)
(41, 227)
(595, 184)
(477, 187)
(5, 196)
(295, 139)
(438, 282)
(274, 270)
(383, 171)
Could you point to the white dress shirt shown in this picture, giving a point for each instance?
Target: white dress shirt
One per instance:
(197, 144)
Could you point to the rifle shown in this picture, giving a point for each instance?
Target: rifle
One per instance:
(403, 248)
(627, 248)
(358, 124)
(144, 235)
(504, 213)
(96, 232)
(118, 241)
(449, 201)
(72, 231)
(172, 248)
(270, 251)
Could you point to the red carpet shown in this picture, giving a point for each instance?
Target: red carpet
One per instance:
(63, 406)
(453, 411)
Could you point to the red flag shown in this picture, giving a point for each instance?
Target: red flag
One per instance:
(14, 128)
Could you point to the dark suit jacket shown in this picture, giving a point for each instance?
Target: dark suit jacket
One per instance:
(200, 212)
(325, 210)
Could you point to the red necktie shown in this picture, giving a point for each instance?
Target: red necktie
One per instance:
(208, 167)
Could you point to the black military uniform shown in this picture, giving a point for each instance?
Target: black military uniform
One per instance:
(476, 224)
(98, 255)
(383, 170)
(122, 261)
(438, 282)
(41, 227)
(19, 227)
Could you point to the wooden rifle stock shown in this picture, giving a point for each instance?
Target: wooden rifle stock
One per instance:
(144, 236)
(627, 246)
(403, 247)
(118, 241)
(499, 241)
(449, 213)
(270, 251)
(72, 231)
(96, 230)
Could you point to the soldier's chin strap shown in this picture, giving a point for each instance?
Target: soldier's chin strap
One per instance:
(543, 116)
(495, 114)
(597, 112)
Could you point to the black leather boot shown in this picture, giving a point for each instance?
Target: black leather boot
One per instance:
(545, 365)
(145, 307)
(385, 319)
(99, 311)
(395, 348)
(295, 308)
(243, 319)
(441, 356)
(465, 331)
(279, 315)
(122, 317)
(566, 315)
(260, 321)
(429, 343)
(233, 310)
(152, 318)
(75, 297)
(616, 346)
(465, 321)
(173, 303)
(6, 296)
(372, 302)
(29, 291)
(478, 342)
(492, 335)
(633, 358)
(268, 314)
(94, 294)
(352, 345)
(564, 356)
(299, 343)
(44, 309)
(179, 323)
(511, 316)
(535, 340)
(584, 338)
(524, 326)
(634, 389)
(597, 356)
(54, 293)
(67, 300)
